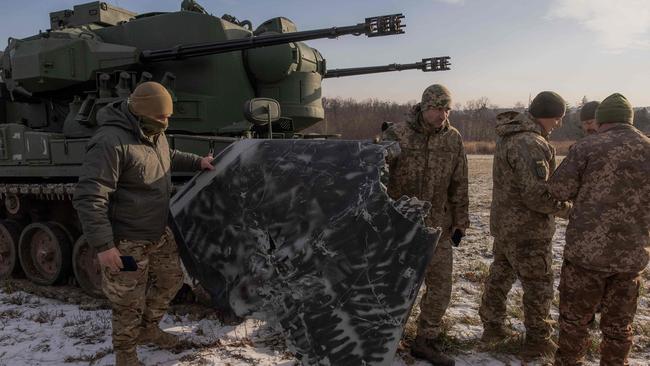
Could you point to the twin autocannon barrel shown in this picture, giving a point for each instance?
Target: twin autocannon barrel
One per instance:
(426, 65)
(372, 27)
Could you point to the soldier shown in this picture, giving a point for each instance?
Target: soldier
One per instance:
(607, 242)
(122, 200)
(522, 223)
(432, 166)
(588, 118)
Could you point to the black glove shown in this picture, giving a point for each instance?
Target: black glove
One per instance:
(456, 237)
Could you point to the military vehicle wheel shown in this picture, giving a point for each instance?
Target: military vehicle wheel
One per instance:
(86, 267)
(9, 236)
(45, 252)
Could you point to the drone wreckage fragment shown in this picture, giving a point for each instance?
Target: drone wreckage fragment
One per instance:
(302, 234)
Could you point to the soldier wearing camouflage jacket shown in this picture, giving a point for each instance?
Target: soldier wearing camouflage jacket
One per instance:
(522, 223)
(607, 241)
(432, 166)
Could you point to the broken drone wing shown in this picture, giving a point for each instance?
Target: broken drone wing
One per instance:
(303, 234)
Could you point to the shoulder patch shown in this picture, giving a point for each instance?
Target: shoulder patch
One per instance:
(541, 168)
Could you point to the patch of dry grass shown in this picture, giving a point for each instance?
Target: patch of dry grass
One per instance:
(515, 307)
(91, 359)
(488, 147)
(8, 286)
(469, 320)
(479, 147)
(477, 272)
(41, 347)
(89, 330)
(44, 316)
(10, 314)
(508, 346)
(16, 299)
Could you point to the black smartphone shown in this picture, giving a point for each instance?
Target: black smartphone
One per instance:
(456, 237)
(129, 264)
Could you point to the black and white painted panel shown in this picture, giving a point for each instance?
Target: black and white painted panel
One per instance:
(302, 234)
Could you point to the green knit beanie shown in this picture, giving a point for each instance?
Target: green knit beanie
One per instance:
(588, 111)
(547, 104)
(614, 109)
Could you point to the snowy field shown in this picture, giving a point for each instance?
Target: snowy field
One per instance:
(42, 330)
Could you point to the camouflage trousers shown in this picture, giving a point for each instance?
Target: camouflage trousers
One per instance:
(581, 292)
(437, 295)
(141, 298)
(530, 261)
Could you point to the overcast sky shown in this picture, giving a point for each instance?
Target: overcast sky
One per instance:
(505, 50)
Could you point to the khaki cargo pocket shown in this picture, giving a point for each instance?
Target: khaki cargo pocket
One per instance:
(120, 287)
(534, 258)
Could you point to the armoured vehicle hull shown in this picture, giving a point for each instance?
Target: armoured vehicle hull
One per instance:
(53, 83)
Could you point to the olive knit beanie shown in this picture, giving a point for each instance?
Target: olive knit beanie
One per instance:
(614, 109)
(588, 111)
(547, 104)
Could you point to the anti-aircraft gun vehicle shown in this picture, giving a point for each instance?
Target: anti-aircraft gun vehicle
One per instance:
(53, 83)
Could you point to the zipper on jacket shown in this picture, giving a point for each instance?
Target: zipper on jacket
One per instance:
(167, 181)
(426, 164)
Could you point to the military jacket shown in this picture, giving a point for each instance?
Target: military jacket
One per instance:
(431, 166)
(607, 176)
(522, 207)
(124, 190)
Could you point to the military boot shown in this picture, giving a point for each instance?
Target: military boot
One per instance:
(430, 350)
(496, 333)
(155, 335)
(127, 358)
(538, 349)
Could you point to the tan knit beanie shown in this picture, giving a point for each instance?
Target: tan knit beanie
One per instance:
(151, 99)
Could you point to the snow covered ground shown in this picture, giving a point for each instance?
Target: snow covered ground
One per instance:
(38, 330)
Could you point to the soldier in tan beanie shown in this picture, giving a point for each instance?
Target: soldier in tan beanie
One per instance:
(122, 200)
(432, 166)
(153, 104)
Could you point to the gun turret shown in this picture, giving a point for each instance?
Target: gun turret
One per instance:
(373, 27)
(96, 53)
(426, 65)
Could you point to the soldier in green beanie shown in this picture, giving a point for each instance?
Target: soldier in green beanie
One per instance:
(607, 242)
(522, 224)
(432, 166)
(614, 109)
(588, 118)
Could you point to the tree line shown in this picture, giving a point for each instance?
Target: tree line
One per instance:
(475, 119)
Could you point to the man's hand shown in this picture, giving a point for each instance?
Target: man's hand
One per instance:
(110, 258)
(206, 162)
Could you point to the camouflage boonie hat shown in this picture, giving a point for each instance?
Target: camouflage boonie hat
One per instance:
(436, 96)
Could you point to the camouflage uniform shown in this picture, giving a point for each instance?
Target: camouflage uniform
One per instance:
(432, 166)
(607, 241)
(140, 299)
(123, 200)
(522, 223)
